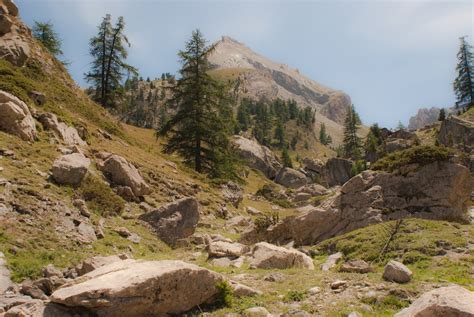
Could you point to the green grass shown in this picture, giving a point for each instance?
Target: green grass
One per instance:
(100, 197)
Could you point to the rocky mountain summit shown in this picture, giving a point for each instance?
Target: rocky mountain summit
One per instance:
(95, 221)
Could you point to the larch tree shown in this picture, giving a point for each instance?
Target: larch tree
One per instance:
(352, 142)
(45, 34)
(109, 52)
(202, 124)
(464, 83)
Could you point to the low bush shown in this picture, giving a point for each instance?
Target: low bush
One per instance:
(100, 197)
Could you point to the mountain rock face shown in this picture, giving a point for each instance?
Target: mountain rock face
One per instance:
(261, 78)
(424, 117)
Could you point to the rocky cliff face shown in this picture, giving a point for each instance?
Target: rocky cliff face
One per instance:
(260, 77)
(424, 117)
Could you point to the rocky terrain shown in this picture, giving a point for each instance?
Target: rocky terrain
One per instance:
(96, 221)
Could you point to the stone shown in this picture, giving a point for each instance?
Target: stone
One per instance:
(70, 169)
(30, 289)
(232, 193)
(253, 211)
(269, 256)
(221, 262)
(338, 171)
(290, 178)
(123, 232)
(86, 233)
(6, 24)
(96, 262)
(120, 172)
(331, 261)
(442, 302)
(274, 277)
(397, 272)
(140, 288)
(5, 280)
(125, 192)
(16, 117)
(240, 290)
(219, 249)
(314, 290)
(455, 131)
(256, 312)
(436, 191)
(10, 6)
(51, 271)
(296, 313)
(82, 206)
(175, 221)
(65, 133)
(338, 284)
(237, 221)
(38, 97)
(356, 266)
(257, 156)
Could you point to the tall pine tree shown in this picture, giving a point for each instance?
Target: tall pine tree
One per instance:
(109, 52)
(44, 32)
(352, 142)
(464, 82)
(203, 123)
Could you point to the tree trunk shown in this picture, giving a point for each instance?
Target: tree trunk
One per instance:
(109, 64)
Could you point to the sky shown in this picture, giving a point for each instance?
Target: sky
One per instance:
(390, 57)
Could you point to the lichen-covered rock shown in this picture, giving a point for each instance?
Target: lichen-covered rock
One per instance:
(338, 171)
(220, 249)
(15, 117)
(442, 302)
(291, 178)
(140, 288)
(174, 221)
(67, 134)
(257, 156)
(269, 256)
(120, 172)
(91, 264)
(397, 272)
(455, 131)
(70, 169)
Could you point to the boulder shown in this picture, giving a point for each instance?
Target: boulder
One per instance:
(356, 266)
(256, 312)
(15, 37)
(96, 262)
(338, 171)
(442, 302)
(174, 221)
(5, 281)
(16, 117)
(437, 191)
(239, 290)
(70, 169)
(38, 97)
(219, 249)
(253, 211)
(257, 156)
(232, 193)
(6, 24)
(269, 256)
(65, 133)
(291, 178)
(120, 172)
(397, 272)
(140, 288)
(8, 7)
(331, 261)
(455, 131)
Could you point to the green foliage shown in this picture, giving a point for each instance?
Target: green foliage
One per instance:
(358, 167)
(373, 143)
(44, 32)
(286, 159)
(267, 220)
(295, 296)
(420, 155)
(352, 142)
(100, 197)
(442, 115)
(108, 51)
(464, 83)
(324, 138)
(280, 134)
(203, 121)
(225, 294)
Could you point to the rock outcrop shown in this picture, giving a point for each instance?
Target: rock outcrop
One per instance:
(15, 117)
(5, 281)
(120, 172)
(442, 302)
(424, 117)
(269, 256)
(439, 191)
(397, 272)
(456, 132)
(67, 134)
(291, 178)
(257, 156)
(174, 221)
(140, 288)
(14, 46)
(338, 171)
(70, 169)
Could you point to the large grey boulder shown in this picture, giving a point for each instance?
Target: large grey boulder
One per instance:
(437, 191)
(269, 256)
(397, 272)
(257, 156)
(70, 169)
(338, 171)
(16, 117)
(140, 288)
(174, 221)
(455, 131)
(5, 280)
(15, 37)
(91, 264)
(219, 249)
(447, 301)
(120, 172)
(65, 133)
(291, 178)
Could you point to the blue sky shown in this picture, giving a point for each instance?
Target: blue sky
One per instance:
(391, 57)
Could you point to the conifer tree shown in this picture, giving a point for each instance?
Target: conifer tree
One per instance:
(324, 138)
(108, 50)
(352, 142)
(464, 82)
(280, 133)
(44, 32)
(442, 115)
(286, 159)
(202, 124)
